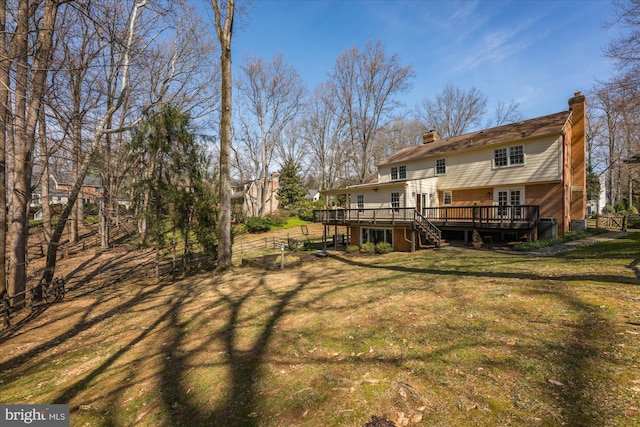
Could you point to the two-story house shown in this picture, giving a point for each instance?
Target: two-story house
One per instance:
(60, 187)
(247, 197)
(497, 180)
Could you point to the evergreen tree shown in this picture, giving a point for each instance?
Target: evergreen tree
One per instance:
(291, 191)
(593, 184)
(174, 188)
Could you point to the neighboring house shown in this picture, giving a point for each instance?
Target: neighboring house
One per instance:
(496, 181)
(246, 198)
(595, 206)
(59, 189)
(313, 195)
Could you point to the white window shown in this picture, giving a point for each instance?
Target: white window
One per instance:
(377, 235)
(516, 155)
(360, 202)
(395, 201)
(500, 158)
(398, 172)
(446, 198)
(510, 202)
(511, 156)
(441, 166)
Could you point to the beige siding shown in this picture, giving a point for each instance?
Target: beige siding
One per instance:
(474, 168)
(378, 199)
(422, 186)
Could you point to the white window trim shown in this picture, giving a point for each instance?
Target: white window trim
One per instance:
(508, 149)
(397, 170)
(391, 207)
(435, 167)
(444, 197)
(509, 189)
(362, 231)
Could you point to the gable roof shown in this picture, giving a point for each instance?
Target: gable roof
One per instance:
(545, 125)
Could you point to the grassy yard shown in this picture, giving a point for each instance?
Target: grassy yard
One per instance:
(437, 338)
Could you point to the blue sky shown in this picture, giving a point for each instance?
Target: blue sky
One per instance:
(537, 53)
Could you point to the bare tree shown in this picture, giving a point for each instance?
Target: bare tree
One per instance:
(399, 133)
(223, 21)
(292, 145)
(505, 114)
(271, 95)
(30, 60)
(324, 136)
(366, 82)
(624, 49)
(102, 128)
(5, 66)
(454, 111)
(614, 133)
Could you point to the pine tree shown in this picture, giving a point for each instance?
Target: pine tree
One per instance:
(291, 191)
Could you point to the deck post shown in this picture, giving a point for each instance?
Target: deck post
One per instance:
(324, 237)
(413, 240)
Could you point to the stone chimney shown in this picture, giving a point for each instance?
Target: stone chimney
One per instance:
(429, 137)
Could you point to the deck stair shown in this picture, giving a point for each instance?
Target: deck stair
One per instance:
(432, 235)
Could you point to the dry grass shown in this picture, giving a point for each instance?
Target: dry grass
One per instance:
(449, 337)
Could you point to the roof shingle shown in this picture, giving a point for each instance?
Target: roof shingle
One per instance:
(545, 125)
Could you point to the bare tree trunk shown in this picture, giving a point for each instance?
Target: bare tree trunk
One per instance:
(29, 92)
(5, 64)
(44, 184)
(76, 124)
(224, 31)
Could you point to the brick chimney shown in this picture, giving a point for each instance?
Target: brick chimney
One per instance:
(578, 105)
(429, 137)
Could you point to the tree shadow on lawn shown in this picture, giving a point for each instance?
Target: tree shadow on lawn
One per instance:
(239, 404)
(581, 381)
(114, 273)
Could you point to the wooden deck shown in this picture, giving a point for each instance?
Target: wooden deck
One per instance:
(521, 217)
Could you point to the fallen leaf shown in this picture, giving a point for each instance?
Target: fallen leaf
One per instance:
(554, 382)
(416, 418)
(512, 342)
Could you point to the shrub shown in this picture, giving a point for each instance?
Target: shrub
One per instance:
(608, 209)
(353, 249)
(383, 248)
(368, 248)
(633, 221)
(278, 217)
(90, 209)
(257, 224)
(621, 208)
(306, 207)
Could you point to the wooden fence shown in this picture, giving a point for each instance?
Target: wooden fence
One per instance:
(612, 222)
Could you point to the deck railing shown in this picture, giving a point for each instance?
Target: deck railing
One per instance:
(484, 215)
(476, 216)
(346, 216)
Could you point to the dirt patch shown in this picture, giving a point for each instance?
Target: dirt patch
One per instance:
(273, 262)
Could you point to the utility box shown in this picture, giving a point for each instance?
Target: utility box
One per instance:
(578, 224)
(547, 228)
